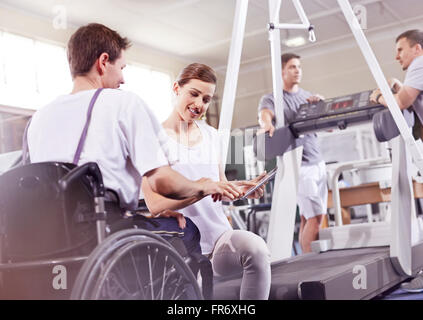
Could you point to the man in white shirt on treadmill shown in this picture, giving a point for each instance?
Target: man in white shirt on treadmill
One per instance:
(409, 48)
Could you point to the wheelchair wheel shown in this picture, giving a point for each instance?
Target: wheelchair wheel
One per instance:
(135, 264)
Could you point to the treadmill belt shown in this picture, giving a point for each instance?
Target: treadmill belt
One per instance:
(348, 274)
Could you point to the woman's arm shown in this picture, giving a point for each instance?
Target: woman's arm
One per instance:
(157, 203)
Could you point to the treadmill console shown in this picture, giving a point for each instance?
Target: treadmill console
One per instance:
(335, 112)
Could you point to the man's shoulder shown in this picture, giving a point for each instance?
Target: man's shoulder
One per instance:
(267, 97)
(418, 60)
(304, 92)
(124, 99)
(415, 65)
(120, 94)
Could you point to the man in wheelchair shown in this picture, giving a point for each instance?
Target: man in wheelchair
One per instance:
(115, 140)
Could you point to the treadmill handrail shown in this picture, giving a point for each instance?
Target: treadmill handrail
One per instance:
(336, 198)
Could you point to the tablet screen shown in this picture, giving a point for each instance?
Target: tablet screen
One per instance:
(265, 179)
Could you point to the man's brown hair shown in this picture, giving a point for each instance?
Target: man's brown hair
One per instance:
(89, 42)
(288, 56)
(413, 36)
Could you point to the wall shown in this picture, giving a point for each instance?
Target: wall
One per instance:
(331, 69)
(41, 28)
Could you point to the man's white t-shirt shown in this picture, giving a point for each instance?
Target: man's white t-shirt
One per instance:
(124, 138)
(194, 163)
(414, 79)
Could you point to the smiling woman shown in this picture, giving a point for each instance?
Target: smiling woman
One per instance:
(194, 151)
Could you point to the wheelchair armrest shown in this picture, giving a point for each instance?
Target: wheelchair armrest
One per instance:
(90, 169)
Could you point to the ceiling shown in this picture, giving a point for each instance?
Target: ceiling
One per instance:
(200, 30)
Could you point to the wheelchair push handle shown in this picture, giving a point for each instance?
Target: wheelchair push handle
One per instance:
(90, 169)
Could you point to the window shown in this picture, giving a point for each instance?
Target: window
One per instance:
(52, 72)
(153, 87)
(33, 73)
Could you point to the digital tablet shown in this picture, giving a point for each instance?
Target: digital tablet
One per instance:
(265, 179)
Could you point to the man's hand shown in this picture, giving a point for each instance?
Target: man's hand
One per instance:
(220, 189)
(173, 214)
(315, 98)
(375, 95)
(395, 85)
(266, 127)
(265, 122)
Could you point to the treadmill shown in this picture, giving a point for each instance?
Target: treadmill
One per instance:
(334, 273)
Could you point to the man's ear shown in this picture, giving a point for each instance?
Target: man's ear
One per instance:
(102, 62)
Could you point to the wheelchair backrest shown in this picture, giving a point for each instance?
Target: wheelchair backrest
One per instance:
(37, 220)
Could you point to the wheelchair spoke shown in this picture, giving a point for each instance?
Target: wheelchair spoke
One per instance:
(156, 251)
(164, 277)
(176, 287)
(120, 274)
(137, 273)
(151, 273)
(113, 288)
(183, 291)
(124, 275)
(168, 275)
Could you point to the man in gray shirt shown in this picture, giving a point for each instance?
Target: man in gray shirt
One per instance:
(409, 48)
(312, 186)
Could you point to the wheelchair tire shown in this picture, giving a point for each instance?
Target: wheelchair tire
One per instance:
(135, 264)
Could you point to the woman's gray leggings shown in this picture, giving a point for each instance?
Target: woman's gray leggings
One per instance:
(240, 250)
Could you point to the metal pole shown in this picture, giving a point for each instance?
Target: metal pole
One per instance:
(275, 55)
(402, 191)
(231, 79)
(284, 199)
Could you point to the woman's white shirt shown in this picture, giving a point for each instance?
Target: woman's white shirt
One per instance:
(201, 160)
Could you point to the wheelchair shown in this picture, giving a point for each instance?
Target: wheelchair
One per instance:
(55, 214)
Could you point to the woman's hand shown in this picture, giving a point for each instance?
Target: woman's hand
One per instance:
(245, 185)
(252, 183)
(220, 189)
(173, 214)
